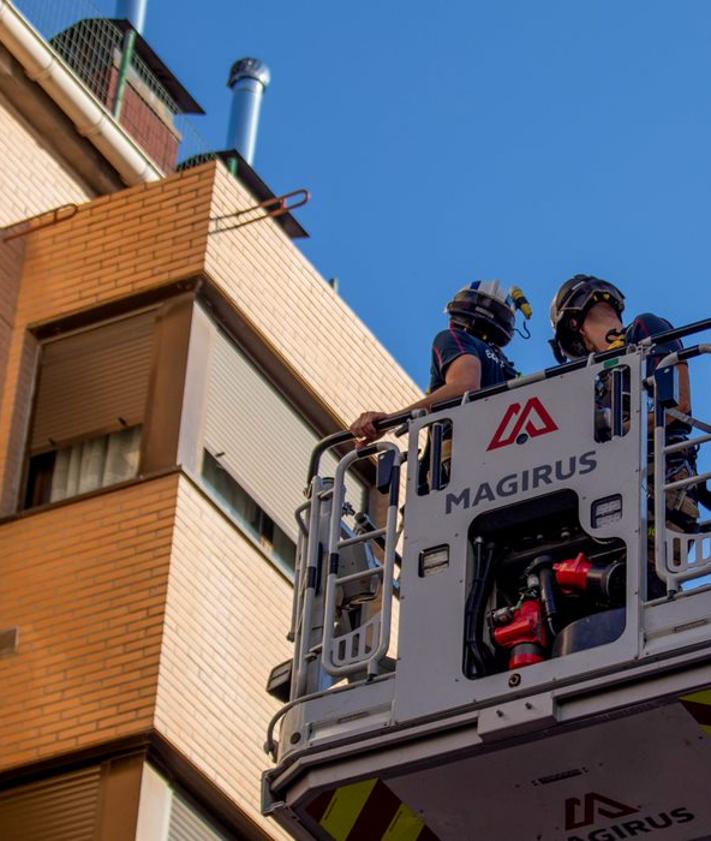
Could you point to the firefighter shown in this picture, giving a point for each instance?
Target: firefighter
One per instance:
(467, 355)
(586, 317)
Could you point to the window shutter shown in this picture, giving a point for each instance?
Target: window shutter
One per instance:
(264, 442)
(187, 825)
(64, 808)
(93, 382)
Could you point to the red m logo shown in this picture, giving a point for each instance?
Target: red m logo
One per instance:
(604, 806)
(521, 424)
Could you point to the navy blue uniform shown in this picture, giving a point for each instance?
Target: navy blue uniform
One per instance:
(450, 344)
(447, 346)
(646, 325)
(642, 327)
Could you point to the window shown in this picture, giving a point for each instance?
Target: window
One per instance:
(89, 409)
(85, 466)
(168, 813)
(253, 519)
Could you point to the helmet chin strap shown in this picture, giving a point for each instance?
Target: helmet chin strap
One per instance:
(560, 357)
(615, 338)
(460, 322)
(466, 325)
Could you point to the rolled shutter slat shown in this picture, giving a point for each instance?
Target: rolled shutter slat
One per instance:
(265, 443)
(87, 381)
(62, 808)
(187, 825)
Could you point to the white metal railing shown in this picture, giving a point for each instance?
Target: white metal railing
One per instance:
(679, 556)
(365, 645)
(306, 583)
(334, 563)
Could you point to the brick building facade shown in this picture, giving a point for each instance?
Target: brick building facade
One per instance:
(145, 548)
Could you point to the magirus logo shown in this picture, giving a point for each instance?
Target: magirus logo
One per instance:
(582, 813)
(530, 479)
(595, 808)
(519, 424)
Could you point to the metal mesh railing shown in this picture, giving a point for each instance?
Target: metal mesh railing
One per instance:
(91, 48)
(193, 143)
(91, 45)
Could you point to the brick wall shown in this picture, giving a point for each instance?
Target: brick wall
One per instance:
(32, 179)
(140, 608)
(278, 290)
(227, 615)
(11, 257)
(115, 246)
(227, 608)
(149, 235)
(86, 585)
(151, 131)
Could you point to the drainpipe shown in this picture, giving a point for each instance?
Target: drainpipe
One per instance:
(232, 165)
(135, 12)
(129, 45)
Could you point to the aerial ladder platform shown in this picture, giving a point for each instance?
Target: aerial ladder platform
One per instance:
(519, 647)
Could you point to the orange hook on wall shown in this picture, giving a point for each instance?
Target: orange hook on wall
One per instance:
(56, 216)
(280, 205)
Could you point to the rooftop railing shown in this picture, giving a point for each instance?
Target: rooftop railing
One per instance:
(85, 37)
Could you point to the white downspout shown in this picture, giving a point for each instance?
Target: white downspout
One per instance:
(91, 119)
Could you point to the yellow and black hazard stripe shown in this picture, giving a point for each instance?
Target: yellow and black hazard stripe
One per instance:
(367, 811)
(699, 705)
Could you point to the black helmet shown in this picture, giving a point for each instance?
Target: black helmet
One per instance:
(484, 309)
(570, 307)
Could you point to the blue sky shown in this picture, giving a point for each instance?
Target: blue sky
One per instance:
(444, 142)
(449, 141)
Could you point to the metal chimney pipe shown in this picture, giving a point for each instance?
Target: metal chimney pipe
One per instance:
(133, 10)
(249, 78)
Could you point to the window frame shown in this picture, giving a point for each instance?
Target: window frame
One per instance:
(163, 406)
(244, 527)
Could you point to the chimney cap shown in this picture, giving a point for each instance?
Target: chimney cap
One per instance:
(250, 68)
